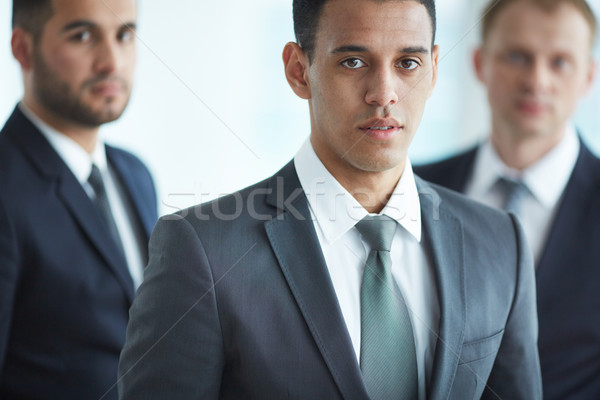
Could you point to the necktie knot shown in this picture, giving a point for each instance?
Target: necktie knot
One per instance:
(377, 231)
(514, 191)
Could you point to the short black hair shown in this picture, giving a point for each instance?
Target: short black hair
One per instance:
(308, 12)
(31, 15)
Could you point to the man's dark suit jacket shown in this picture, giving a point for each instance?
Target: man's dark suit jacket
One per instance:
(568, 278)
(237, 303)
(65, 289)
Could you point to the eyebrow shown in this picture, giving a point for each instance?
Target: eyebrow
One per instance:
(78, 24)
(89, 24)
(362, 49)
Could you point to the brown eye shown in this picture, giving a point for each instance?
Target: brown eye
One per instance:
(408, 64)
(353, 63)
(83, 36)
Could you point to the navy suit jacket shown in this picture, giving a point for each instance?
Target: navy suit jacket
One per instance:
(237, 303)
(568, 278)
(65, 289)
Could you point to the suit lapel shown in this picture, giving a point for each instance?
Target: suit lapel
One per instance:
(70, 193)
(83, 210)
(296, 246)
(443, 240)
(145, 216)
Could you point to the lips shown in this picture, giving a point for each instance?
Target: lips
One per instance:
(531, 107)
(107, 88)
(381, 128)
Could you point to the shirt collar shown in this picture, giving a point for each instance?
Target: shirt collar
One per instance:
(73, 155)
(546, 179)
(337, 211)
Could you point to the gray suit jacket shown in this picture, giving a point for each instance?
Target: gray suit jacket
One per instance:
(237, 303)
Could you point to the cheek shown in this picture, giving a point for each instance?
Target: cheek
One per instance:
(60, 58)
(130, 60)
(500, 77)
(333, 104)
(502, 89)
(66, 66)
(569, 95)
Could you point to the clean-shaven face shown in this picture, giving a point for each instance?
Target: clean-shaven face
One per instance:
(536, 65)
(84, 61)
(373, 70)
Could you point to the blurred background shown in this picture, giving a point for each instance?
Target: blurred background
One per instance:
(211, 111)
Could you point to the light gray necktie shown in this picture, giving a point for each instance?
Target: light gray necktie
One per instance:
(387, 348)
(514, 191)
(101, 200)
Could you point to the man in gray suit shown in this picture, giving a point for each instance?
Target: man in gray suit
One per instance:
(343, 276)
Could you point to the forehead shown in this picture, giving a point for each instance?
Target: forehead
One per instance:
(369, 22)
(522, 23)
(101, 12)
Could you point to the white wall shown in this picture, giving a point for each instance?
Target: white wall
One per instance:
(211, 110)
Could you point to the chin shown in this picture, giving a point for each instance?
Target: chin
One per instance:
(377, 165)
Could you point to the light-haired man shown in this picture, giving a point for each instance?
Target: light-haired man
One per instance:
(536, 63)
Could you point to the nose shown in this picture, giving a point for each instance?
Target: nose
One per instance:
(106, 57)
(538, 77)
(382, 88)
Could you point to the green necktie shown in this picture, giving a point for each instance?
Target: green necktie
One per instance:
(387, 348)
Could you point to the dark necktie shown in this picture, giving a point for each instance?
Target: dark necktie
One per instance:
(101, 200)
(387, 348)
(514, 191)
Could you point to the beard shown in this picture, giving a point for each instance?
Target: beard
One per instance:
(62, 99)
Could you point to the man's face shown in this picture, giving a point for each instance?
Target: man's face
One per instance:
(372, 72)
(536, 66)
(84, 61)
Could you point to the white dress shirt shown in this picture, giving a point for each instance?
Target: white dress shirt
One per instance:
(546, 181)
(335, 213)
(80, 164)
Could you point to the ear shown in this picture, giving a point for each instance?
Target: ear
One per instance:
(435, 55)
(478, 63)
(295, 63)
(591, 76)
(21, 44)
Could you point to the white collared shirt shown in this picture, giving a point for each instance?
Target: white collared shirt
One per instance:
(546, 181)
(80, 163)
(335, 213)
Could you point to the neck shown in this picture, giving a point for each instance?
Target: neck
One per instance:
(371, 189)
(520, 151)
(84, 136)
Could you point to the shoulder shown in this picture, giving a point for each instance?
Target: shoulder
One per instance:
(9, 153)
(453, 201)
(584, 182)
(456, 160)
(451, 172)
(235, 209)
(248, 209)
(131, 168)
(480, 223)
(123, 157)
(588, 161)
